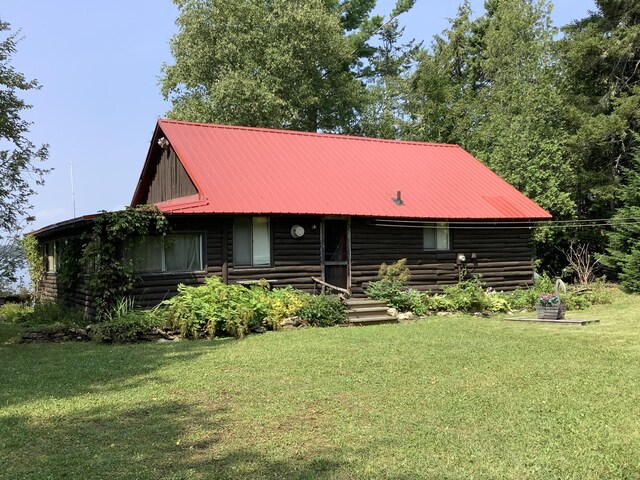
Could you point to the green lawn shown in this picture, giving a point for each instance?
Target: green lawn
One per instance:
(440, 398)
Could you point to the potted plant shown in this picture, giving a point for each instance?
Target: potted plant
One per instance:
(550, 307)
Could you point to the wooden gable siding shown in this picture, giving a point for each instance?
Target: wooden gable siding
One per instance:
(503, 256)
(169, 179)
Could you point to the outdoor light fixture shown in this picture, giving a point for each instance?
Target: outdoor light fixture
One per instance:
(461, 258)
(297, 231)
(164, 143)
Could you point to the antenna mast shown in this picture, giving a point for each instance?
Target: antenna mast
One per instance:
(73, 193)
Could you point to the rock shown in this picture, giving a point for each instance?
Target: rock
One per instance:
(481, 314)
(443, 314)
(392, 311)
(292, 322)
(164, 340)
(29, 335)
(260, 329)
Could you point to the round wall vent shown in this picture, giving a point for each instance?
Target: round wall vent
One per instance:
(297, 231)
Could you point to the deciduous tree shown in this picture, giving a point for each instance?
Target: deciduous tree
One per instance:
(19, 157)
(280, 63)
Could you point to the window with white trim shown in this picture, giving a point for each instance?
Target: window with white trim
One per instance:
(51, 257)
(436, 237)
(251, 242)
(174, 252)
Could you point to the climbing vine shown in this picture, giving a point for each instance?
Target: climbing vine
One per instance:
(69, 266)
(110, 276)
(35, 263)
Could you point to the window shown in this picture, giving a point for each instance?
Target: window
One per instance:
(436, 237)
(251, 242)
(176, 252)
(51, 257)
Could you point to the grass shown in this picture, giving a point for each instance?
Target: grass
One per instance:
(438, 398)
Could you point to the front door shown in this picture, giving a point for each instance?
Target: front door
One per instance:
(336, 252)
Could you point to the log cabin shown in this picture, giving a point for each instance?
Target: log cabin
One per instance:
(313, 210)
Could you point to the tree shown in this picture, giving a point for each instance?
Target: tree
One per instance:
(624, 239)
(385, 114)
(280, 63)
(600, 56)
(19, 157)
(521, 128)
(492, 85)
(445, 83)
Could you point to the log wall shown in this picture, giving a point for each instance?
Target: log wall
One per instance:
(294, 260)
(503, 256)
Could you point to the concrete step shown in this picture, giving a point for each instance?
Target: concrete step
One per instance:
(364, 302)
(373, 320)
(367, 311)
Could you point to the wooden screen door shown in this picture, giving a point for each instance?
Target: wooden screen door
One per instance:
(336, 252)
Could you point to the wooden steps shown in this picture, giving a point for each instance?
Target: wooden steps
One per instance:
(362, 311)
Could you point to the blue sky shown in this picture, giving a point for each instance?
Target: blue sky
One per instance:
(99, 63)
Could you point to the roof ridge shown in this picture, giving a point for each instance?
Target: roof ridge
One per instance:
(308, 134)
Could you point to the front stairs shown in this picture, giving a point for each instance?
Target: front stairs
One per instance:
(363, 311)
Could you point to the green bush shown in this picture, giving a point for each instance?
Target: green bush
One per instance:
(396, 295)
(497, 302)
(397, 271)
(50, 313)
(215, 309)
(124, 323)
(282, 303)
(598, 293)
(467, 296)
(12, 312)
(437, 303)
(323, 310)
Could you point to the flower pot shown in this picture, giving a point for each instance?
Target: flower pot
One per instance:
(554, 312)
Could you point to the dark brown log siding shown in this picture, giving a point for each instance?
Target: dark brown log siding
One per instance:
(294, 260)
(503, 256)
(153, 288)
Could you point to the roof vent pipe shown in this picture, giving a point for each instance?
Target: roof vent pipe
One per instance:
(397, 199)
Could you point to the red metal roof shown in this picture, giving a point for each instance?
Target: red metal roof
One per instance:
(241, 170)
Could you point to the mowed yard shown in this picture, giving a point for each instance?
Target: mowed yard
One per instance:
(440, 398)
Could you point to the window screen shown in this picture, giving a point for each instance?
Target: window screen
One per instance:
(436, 236)
(251, 242)
(178, 252)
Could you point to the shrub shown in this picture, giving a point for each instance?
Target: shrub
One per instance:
(125, 324)
(11, 312)
(282, 303)
(218, 309)
(467, 295)
(396, 295)
(599, 293)
(323, 310)
(497, 302)
(51, 313)
(214, 308)
(437, 303)
(397, 271)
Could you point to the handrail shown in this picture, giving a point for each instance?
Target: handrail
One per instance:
(333, 287)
